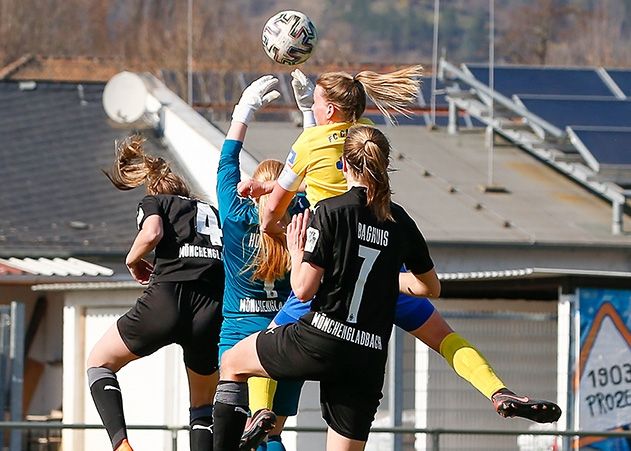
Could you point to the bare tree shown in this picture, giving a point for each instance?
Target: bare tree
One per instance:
(597, 39)
(527, 32)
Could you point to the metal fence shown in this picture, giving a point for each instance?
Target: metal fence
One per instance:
(434, 434)
(11, 368)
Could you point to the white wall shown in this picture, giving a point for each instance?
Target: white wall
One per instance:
(155, 388)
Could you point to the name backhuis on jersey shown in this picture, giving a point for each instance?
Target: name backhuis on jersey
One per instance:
(190, 250)
(249, 305)
(346, 332)
(372, 234)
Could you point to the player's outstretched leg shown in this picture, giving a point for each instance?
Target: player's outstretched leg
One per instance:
(508, 404)
(109, 403)
(262, 422)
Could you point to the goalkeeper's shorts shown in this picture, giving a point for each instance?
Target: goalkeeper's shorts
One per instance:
(410, 314)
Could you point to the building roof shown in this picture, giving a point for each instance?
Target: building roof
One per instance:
(52, 267)
(56, 202)
(67, 69)
(439, 180)
(57, 139)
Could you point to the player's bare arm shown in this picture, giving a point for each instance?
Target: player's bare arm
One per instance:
(276, 207)
(426, 284)
(255, 188)
(147, 239)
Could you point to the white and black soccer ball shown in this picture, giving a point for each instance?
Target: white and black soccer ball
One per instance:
(289, 37)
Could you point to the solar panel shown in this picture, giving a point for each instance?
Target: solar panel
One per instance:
(622, 78)
(511, 80)
(442, 120)
(603, 146)
(425, 99)
(415, 119)
(562, 112)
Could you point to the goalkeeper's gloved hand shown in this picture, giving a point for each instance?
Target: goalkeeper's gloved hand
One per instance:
(303, 92)
(255, 96)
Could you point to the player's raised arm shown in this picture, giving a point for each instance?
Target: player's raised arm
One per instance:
(254, 97)
(229, 185)
(303, 93)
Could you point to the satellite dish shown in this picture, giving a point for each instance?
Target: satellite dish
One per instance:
(124, 97)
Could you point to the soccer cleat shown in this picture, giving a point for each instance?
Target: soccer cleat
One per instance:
(508, 405)
(262, 422)
(124, 446)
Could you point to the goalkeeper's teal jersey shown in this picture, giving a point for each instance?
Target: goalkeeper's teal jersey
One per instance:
(240, 225)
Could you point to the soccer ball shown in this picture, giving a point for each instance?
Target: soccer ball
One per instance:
(289, 37)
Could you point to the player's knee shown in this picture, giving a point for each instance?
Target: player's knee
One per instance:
(228, 365)
(93, 360)
(98, 358)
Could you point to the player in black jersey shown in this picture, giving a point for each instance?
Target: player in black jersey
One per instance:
(182, 302)
(349, 258)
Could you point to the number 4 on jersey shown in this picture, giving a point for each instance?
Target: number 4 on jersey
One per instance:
(207, 223)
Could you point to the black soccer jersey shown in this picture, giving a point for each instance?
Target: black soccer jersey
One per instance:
(361, 257)
(191, 246)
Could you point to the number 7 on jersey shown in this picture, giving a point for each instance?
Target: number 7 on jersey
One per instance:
(369, 256)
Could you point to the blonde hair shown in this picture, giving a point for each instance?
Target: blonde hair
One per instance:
(367, 155)
(392, 91)
(272, 260)
(132, 168)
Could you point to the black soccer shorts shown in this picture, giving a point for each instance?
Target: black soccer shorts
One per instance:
(351, 378)
(187, 313)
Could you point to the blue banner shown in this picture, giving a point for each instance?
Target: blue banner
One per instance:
(602, 385)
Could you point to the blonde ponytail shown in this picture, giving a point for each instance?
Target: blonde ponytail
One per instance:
(394, 91)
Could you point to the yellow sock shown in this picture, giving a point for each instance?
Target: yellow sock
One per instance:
(469, 364)
(262, 392)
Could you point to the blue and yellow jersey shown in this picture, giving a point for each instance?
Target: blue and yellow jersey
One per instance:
(315, 158)
(240, 225)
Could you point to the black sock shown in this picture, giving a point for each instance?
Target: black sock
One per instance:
(201, 421)
(108, 399)
(230, 413)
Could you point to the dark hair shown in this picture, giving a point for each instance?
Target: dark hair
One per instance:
(367, 155)
(133, 168)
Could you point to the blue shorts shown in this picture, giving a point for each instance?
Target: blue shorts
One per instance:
(411, 312)
(233, 330)
(292, 310)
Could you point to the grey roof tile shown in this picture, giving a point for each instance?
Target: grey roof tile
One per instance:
(54, 141)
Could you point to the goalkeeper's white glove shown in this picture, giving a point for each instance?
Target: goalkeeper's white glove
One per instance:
(303, 92)
(255, 96)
